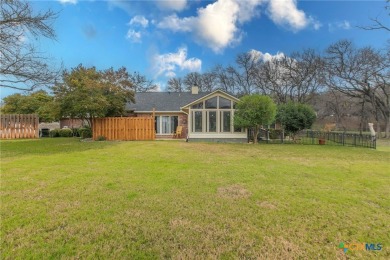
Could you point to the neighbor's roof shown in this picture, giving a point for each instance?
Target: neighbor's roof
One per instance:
(163, 101)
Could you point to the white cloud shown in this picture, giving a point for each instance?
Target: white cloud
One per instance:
(286, 13)
(316, 24)
(176, 24)
(217, 24)
(172, 5)
(167, 64)
(170, 74)
(158, 87)
(68, 1)
(126, 6)
(139, 20)
(343, 25)
(258, 55)
(134, 36)
(248, 9)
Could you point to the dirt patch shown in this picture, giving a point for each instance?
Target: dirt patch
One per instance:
(179, 222)
(234, 192)
(281, 248)
(266, 205)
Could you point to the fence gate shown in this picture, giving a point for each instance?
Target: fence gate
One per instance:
(124, 128)
(15, 126)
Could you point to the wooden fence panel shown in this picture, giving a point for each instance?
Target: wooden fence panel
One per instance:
(18, 126)
(124, 128)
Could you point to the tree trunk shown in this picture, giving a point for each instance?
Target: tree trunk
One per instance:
(256, 132)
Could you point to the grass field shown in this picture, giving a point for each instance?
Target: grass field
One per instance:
(171, 199)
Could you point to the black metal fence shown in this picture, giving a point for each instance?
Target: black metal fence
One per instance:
(312, 137)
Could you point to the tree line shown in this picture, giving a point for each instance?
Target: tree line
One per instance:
(360, 74)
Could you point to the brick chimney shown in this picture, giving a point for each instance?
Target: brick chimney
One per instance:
(195, 90)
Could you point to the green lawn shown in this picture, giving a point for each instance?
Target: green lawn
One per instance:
(171, 199)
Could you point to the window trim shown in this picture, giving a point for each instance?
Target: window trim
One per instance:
(205, 117)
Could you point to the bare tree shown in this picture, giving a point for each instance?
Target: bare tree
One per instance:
(303, 70)
(296, 78)
(22, 65)
(141, 83)
(244, 75)
(271, 79)
(175, 85)
(224, 79)
(208, 81)
(361, 73)
(377, 24)
(193, 79)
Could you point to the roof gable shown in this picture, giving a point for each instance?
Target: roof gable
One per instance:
(212, 94)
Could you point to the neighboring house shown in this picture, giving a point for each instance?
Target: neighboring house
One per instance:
(67, 122)
(203, 116)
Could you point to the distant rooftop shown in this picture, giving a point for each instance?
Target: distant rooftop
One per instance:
(163, 101)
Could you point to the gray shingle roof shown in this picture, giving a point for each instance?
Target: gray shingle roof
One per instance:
(163, 101)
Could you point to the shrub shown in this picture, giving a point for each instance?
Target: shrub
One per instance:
(101, 138)
(54, 133)
(65, 132)
(85, 132)
(275, 133)
(295, 117)
(75, 132)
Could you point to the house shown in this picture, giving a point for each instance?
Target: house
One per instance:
(204, 116)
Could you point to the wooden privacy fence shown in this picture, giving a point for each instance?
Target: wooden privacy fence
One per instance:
(124, 128)
(15, 126)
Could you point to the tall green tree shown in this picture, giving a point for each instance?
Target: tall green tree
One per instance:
(87, 93)
(254, 111)
(39, 102)
(295, 117)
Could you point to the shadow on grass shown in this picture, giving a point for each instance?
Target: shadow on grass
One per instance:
(47, 146)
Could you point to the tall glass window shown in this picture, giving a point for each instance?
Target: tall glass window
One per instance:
(165, 127)
(212, 121)
(165, 124)
(157, 127)
(226, 119)
(198, 121)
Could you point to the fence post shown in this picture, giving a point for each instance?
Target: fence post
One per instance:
(267, 136)
(312, 136)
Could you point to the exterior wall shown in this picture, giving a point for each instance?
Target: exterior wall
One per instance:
(71, 123)
(217, 135)
(182, 121)
(219, 140)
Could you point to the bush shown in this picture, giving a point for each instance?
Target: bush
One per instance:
(54, 133)
(65, 132)
(275, 133)
(75, 132)
(101, 138)
(85, 132)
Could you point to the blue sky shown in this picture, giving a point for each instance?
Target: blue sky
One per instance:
(161, 39)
